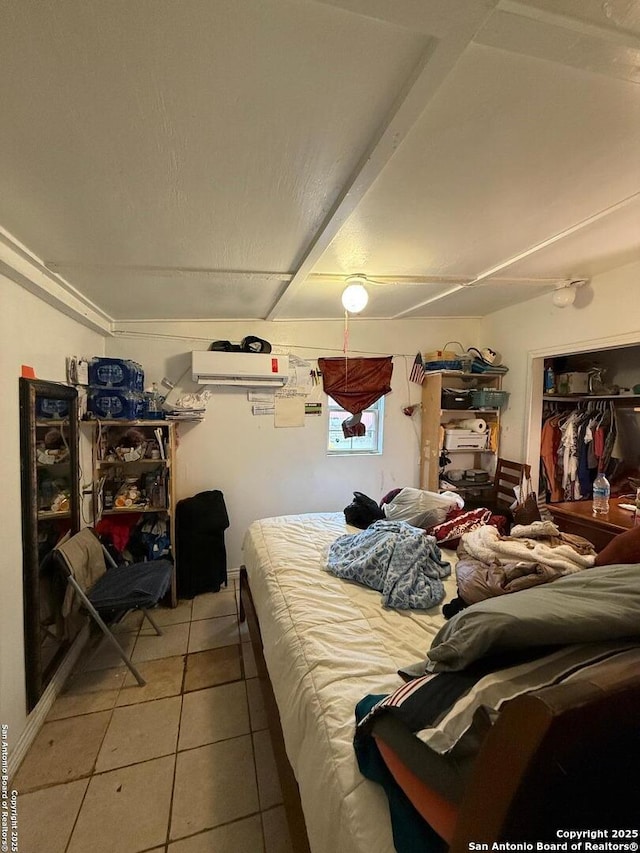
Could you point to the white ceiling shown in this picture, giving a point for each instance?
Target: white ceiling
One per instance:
(237, 159)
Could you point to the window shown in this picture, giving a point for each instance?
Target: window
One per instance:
(370, 442)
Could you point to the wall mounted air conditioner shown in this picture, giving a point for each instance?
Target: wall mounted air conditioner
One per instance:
(248, 369)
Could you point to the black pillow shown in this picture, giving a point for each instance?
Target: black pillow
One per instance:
(362, 511)
(225, 346)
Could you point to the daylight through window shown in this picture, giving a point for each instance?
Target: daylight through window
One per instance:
(370, 442)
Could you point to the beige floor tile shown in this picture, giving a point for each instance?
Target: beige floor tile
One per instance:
(211, 667)
(173, 642)
(243, 836)
(63, 750)
(276, 831)
(216, 713)
(245, 637)
(130, 622)
(168, 616)
(105, 656)
(214, 784)
(268, 782)
(213, 633)
(163, 677)
(46, 817)
(140, 732)
(71, 705)
(125, 810)
(95, 680)
(257, 712)
(216, 795)
(214, 604)
(249, 661)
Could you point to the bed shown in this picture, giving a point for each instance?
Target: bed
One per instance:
(323, 643)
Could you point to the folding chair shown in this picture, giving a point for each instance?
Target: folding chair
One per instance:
(119, 588)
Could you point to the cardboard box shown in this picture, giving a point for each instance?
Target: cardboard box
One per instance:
(572, 383)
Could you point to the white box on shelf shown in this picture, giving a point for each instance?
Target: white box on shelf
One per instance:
(572, 383)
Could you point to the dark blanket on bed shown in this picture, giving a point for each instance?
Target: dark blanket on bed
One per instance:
(411, 834)
(415, 705)
(449, 708)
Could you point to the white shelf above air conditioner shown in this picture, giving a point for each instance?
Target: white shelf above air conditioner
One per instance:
(244, 369)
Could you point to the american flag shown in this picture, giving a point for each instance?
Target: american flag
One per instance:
(417, 371)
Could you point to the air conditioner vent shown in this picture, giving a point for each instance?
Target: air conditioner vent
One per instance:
(245, 369)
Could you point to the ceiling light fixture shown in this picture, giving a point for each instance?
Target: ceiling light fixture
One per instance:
(355, 295)
(565, 293)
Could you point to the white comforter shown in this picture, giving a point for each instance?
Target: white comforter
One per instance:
(327, 643)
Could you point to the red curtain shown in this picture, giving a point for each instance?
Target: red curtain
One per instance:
(356, 383)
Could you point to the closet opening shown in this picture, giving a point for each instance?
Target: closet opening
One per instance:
(585, 418)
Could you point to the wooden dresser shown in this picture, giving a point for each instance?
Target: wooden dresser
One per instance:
(577, 517)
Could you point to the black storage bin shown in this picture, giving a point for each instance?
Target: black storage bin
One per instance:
(455, 398)
(201, 555)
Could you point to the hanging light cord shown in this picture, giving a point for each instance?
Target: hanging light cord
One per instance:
(345, 348)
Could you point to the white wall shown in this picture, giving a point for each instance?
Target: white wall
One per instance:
(32, 333)
(266, 471)
(606, 313)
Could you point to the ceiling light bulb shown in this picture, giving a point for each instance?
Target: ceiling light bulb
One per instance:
(355, 298)
(564, 296)
(358, 278)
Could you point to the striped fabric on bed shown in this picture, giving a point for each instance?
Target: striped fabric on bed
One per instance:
(439, 707)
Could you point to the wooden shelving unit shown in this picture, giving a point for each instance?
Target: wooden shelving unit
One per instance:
(434, 416)
(150, 478)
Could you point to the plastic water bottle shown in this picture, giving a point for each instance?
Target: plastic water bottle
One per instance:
(549, 381)
(154, 410)
(601, 492)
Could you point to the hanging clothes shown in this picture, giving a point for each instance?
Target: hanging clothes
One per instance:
(549, 444)
(575, 444)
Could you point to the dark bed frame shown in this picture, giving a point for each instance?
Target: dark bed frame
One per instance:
(563, 757)
(290, 792)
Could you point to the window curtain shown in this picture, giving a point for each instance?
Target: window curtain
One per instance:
(356, 383)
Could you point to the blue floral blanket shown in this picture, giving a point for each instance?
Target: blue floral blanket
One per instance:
(396, 558)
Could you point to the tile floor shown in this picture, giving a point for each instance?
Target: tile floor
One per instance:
(182, 765)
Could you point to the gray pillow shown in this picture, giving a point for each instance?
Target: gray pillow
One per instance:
(593, 605)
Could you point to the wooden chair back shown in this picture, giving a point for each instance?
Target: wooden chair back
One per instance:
(508, 476)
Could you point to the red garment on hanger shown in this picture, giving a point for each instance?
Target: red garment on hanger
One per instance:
(356, 383)
(549, 444)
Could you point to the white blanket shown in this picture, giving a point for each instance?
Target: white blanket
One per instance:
(486, 544)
